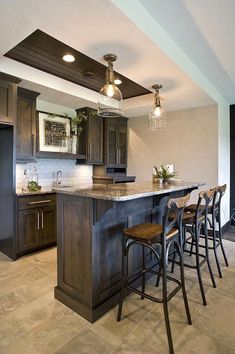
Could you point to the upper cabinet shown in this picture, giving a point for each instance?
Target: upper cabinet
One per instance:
(90, 137)
(116, 142)
(26, 124)
(8, 91)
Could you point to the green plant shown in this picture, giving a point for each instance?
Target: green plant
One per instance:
(33, 186)
(77, 120)
(164, 173)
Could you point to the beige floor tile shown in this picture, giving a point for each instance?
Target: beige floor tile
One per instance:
(10, 302)
(14, 281)
(37, 289)
(19, 346)
(87, 342)
(196, 341)
(48, 268)
(53, 333)
(133, 344)
(134, 309)
(218, 318)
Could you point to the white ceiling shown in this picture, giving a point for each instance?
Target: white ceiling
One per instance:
(205, 31)
(98, 27)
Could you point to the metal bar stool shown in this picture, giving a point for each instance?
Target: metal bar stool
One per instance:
(215, 211)
(194, 222)
(148, 236)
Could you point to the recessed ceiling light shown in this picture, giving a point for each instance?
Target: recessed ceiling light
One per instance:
(117, 81)
(69, 58)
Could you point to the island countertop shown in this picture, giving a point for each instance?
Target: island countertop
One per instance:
(126, 191)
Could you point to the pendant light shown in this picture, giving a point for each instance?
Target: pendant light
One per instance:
(157, 115)
(110, 97)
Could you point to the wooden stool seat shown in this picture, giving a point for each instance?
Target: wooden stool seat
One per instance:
(148, 233)
(188, 218)
(193, 207)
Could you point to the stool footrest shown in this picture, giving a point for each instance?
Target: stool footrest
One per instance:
(155, 299)
(191, 266)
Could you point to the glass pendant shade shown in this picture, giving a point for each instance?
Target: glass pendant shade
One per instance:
(157, 115)
(110, 102)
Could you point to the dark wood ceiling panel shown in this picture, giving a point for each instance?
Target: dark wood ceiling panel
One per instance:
(45, 53)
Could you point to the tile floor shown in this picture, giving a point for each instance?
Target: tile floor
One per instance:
(33, 322)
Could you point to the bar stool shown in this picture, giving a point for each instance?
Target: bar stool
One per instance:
(193, 222)
(148, 236)
(215, 211)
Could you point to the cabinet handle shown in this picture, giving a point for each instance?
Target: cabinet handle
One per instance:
(40, 202)
(42, 220)
(38, 223)
(89, 150)
(32, 152)
(119, 156)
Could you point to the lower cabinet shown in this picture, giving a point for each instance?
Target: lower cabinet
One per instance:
(36, 222)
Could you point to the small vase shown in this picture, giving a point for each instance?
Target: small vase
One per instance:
(157, 180)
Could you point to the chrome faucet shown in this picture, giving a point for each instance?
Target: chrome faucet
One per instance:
(58, 178)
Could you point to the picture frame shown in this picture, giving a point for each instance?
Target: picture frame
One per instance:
(53, 132)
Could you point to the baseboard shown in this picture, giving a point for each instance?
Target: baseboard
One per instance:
(226, 226)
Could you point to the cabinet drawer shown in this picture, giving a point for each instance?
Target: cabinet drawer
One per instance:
(35, 201)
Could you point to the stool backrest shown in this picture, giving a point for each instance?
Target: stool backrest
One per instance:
(220, 190)
(177, 206)
(207, 197)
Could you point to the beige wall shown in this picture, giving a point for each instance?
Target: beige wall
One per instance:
(190, 142)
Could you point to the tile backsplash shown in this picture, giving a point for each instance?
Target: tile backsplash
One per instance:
(72, 174)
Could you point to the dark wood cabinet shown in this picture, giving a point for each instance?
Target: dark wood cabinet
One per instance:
(116, 142)
(48, 225)
(36, 222)
(115, 153)
(26, 124)
(90, 140)
(7, 102)
(29, 236)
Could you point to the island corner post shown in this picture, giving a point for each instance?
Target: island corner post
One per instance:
(89, 241)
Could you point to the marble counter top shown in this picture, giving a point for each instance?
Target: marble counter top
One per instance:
(20, 193)
(126, 191)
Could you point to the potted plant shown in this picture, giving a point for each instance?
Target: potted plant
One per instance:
(76, 130)
(162, 175)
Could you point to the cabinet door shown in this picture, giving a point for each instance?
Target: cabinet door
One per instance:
(95, 140)
(122, 145)
(29, 225)
(24, 133)
(47, 225)
(7, 102)
(111, 143)
(116, 142)
(26, 124)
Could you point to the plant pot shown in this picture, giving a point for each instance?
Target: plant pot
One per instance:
(157, 180)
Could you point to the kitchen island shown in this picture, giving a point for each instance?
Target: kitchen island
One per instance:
(90, 222)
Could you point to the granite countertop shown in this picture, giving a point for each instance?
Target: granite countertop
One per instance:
(125, 191)
(45, 190)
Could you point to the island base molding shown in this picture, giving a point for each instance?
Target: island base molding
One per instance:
(83, 310)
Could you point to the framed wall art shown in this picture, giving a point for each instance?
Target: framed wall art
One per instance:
(53, 132)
